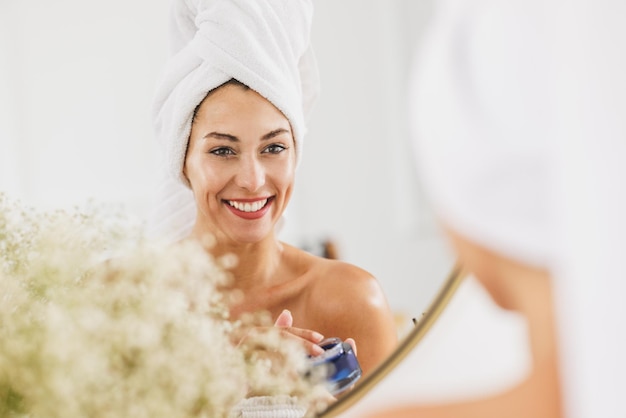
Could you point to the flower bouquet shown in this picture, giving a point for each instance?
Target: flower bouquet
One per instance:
(96, 321)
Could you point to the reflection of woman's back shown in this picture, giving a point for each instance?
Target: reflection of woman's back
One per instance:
(232, 126)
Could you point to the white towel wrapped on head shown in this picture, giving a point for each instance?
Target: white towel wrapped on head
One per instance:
(264, 44)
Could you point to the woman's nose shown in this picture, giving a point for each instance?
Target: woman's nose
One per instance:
(251, 174)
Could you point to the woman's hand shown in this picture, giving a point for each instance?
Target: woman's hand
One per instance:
(309, 338)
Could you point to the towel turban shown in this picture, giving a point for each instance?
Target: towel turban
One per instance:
(483, 163)
(264, 44)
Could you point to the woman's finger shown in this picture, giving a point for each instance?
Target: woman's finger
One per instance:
(285, 319)
(308, 338)
(305, 334)
(352, 343)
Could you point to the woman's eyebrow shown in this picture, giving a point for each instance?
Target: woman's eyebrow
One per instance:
(219, 135)
(274, 133)
(233, 138)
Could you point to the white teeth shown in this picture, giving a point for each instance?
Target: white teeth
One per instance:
(247, 206)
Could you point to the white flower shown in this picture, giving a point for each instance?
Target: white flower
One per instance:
(95, 321)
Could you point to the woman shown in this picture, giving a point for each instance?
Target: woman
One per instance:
(230, 114)
(241, 164)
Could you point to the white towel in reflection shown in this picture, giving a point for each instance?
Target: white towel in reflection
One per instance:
(264, 44)
(483, 162)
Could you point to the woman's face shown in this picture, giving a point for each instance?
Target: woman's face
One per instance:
(240, 163)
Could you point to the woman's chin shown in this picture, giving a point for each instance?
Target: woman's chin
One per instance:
(251, 235)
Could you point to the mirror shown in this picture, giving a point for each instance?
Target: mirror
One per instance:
(357, 183)
(78, 80)
(408, 343)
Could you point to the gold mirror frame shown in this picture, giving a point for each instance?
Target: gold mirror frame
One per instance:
(439, 303)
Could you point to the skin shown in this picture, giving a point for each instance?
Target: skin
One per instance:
(241, 149)
(525, 289)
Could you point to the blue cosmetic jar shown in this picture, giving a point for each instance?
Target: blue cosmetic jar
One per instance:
(342, 367)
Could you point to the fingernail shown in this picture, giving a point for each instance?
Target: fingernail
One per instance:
(317, 350)
(317, 336)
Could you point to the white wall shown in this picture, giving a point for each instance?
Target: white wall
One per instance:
(76, 83)
(77, 79)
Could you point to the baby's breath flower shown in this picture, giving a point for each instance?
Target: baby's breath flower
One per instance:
(97, 322)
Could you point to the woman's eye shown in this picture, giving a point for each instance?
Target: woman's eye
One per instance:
(275, 149)
(222, 151)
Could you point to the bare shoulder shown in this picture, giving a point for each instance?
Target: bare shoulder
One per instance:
(347, 301)
(336, 282)
(347, 283)
(352, 298)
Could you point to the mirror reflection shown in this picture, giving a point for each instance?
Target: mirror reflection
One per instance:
(76, 124)
(357, 182)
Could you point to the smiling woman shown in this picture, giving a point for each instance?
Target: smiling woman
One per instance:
(75, 125)
(240, 164)
(242, 141)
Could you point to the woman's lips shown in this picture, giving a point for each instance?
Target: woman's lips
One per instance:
(249, 209)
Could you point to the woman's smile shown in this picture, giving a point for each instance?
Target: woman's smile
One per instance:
(240, 164)
(249, 209)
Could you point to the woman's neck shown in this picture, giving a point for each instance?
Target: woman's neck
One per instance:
(256, 264)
